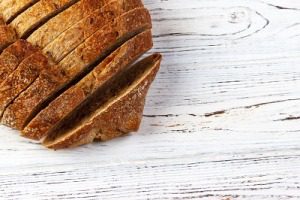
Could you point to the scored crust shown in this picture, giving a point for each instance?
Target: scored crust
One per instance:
(9, 9)
(75, 35)
(53, 28)
(119, 115)
(75, 96)
(38, 14)
(21, 78)
(13, 55)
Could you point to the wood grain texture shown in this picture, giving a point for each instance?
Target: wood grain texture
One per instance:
(221, 122)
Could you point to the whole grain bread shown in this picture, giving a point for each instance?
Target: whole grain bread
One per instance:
(9, 9)
(74, 36)
(21, 78)
(121, 114)
(38, 14)
(76, 96)
(13, 55)
(64, 20)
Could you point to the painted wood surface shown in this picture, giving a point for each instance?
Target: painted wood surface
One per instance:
(221, 122)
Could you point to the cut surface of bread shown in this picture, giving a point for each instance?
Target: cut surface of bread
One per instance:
(38, 14)
(7, 36)
(120, 113)
(64, 20)
(13, 55)
(75, 96)
(9, 9)
(75, 35)
(21, 78)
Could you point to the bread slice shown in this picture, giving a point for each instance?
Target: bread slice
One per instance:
(64, 20)
(120, 113)
(13, 55)
(21, 78)
(7, 36)
(113, 35)
(92, 53)
(10, 9)
(75, 35)
(77, 95)
(38, 14)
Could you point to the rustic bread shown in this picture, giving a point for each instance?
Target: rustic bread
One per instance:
(64, 20)
(21, 78)
(75, 35)
(13, 55)
(120, 113)
(62, 107)
(72, 81)
(90, 52)
(38, 14)
(9, 9)
(7, 36)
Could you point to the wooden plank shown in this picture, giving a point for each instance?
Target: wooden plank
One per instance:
(221, 121)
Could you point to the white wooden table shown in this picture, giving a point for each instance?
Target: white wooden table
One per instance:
(221, 122)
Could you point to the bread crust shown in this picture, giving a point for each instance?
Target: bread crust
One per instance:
(75, 35)
(13, 55)
(11, 8)
(53, 28)
(21, 78)
(7, 36)
(121, 115)
(66, 103)
(38, 14)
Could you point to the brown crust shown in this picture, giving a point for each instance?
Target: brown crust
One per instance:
(32, 99)
(121, 115)
(10, 8)
(75, 35)
(124, 26)
(37, 14)
(13, 55)
(116, 62)
(7, 36)
(53, 28)
(21, 78)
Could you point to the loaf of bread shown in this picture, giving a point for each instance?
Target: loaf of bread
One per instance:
(69, 69)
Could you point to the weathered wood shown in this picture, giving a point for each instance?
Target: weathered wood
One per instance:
(221, 122)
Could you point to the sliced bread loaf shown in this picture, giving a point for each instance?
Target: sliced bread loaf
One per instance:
(117, 111)
(75, 35)
(54, 115)
(64, 20)
(92, 53)
(38, 14)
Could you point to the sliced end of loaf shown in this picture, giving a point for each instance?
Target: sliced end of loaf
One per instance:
(120, 111)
